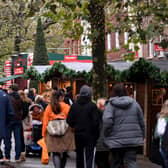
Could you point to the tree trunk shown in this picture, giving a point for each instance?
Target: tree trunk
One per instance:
(97, 20)
(17, 44)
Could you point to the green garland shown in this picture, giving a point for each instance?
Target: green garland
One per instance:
(138, 72)
(32, 73)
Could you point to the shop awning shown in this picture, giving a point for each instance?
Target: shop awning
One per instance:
(9, 78)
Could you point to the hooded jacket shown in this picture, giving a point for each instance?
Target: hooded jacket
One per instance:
(84, 117)
(123, 123)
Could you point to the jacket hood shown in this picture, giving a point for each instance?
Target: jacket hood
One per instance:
(121, 102)
(85, 91)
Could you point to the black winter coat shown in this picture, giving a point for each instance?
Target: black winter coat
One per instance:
(84, 118)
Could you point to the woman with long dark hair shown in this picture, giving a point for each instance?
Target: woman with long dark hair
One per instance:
(58, 145)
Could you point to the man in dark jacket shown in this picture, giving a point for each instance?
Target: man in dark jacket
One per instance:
(84, 118)
(124, 127)
(6, 114)
(15, 125)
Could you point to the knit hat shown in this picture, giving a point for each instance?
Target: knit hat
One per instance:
(85, 91)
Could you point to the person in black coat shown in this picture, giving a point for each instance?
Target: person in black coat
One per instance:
(84, 118)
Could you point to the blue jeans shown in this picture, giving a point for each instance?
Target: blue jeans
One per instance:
(15, 127)
(164, 157)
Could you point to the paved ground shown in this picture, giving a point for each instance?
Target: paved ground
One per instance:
(34, 162)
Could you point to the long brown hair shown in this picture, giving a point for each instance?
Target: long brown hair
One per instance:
(55, 105)
(24, 97)
(119, 90)
(164, 109)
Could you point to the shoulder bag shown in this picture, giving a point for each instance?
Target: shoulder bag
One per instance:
(57, 127)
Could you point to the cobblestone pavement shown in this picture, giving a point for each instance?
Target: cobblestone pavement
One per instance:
(34, 162)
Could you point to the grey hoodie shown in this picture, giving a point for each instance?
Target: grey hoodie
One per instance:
(123, 123)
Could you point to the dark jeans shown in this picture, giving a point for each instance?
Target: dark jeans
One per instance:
(15, 127)
(124, 157)
(1, 155)
(59, 159)
(165, 158)
(102, 159)
(85, 156)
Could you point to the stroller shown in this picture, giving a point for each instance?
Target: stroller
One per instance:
(32, 148)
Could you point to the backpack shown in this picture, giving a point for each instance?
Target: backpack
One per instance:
(164, 139)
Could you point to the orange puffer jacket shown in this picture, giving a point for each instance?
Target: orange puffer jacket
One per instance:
(49, 115)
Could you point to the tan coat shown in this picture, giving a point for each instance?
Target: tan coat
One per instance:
(62, 143)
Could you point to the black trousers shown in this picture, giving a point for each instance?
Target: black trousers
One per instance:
(102, 159)
(124, 157)
(85, 156)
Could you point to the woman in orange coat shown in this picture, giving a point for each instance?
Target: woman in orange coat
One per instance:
(59, 145)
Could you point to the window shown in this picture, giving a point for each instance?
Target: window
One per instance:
(117, 40)
(108, 41)
(125, 38)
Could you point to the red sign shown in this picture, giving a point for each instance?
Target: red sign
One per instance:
(18, 71)
(158, 47)
(136, 55)
(70, 58)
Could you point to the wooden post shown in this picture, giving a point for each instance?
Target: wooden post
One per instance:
(146, 116)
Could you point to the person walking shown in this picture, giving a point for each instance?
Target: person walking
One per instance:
(102, 152)
(124, 128)
(25, 117)
(84, 118)
(15, 126)
(58, 145)
(162, 133)
(6, 115)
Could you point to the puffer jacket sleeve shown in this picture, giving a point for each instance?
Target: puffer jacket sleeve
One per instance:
(108, 119)
(141, 119)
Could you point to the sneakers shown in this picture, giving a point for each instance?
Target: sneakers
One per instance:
(6, 160)
(1, 160)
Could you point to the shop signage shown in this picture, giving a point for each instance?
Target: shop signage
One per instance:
(158, 47)
(70, 58)
(18, 71)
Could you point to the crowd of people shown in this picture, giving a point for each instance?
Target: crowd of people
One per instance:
(105, 133)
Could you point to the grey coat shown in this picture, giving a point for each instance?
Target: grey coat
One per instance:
(123, 123)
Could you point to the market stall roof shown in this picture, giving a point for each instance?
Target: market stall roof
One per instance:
(76, 66)
(9, 78)
(118, 65)
(42, 68)
(161, 64)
